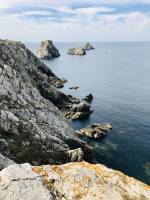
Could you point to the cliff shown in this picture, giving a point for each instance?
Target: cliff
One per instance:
(32, 129)
(73, 181)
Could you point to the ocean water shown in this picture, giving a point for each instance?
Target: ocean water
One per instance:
(118, 76)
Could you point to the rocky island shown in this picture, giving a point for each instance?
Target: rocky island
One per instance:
(47, 50)
(33, 130)
(88, 46)
(77, 51)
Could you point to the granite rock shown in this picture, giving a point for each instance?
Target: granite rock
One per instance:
(47, 50)
(76, 51)
(72, 181)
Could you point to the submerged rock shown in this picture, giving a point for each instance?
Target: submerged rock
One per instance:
(96, 131)
(88, 46)
(32, 128)
(72, 181)
(89, 98)
(77, 51)
(47, 50)
(74, 88)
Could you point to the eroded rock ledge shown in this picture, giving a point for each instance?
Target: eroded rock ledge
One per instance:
(72, 181)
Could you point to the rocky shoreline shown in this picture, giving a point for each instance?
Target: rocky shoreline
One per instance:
(34, 129)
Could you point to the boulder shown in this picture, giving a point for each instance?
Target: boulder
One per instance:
(88, 46)
(32, 128)
(96, 131)
(47, 50)
(72, 181)
(75, 155)
(76, 51)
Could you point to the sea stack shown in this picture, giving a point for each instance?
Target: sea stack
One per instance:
(88, 46)
(76, 51)
(47, 50)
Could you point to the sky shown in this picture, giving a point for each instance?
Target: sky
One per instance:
(75, 20)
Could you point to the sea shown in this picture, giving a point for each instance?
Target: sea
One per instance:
(118, 76)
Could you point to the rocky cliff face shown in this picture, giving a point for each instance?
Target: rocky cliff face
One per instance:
(32, 129)
(73, 181)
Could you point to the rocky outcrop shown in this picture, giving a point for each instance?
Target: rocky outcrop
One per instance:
(5, 162)
(72, 181)
(76, 51)
(88, 46)
(47, 50)
(81, 110)
(32, 129)
(88, 98)
(96, 131)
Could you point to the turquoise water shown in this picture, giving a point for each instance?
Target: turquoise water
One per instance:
(118, 75)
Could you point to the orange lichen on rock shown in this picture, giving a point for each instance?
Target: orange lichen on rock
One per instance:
(84, 181)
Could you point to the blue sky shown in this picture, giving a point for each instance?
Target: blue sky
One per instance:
(80, 20)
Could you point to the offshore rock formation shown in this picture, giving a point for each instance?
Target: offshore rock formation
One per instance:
(88, 46)
(77, 51)
(32, 129)
(73, 181)
(47, 50)
(78, 111)
(96, 131)
(88, 98)
(74, 88)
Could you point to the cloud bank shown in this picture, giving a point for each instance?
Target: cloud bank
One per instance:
(68, 20)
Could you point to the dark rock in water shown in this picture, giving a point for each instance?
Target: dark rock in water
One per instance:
(32, 129)
(88, 46)
(74, 88)
(96, 131)
(76, 51)
(47, 50)
(88, 98)
(79, 111)
(59, 83)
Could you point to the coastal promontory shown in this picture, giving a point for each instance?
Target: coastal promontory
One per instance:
(41, 156)
(32, 128)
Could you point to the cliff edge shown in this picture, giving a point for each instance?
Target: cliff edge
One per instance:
(72, 181)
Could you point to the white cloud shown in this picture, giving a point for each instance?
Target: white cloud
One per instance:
(97, 23)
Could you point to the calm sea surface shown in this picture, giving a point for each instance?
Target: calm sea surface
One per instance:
(118, 75)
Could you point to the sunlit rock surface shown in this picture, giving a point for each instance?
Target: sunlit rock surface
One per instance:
(76, 51)
(47, 50)
(72, 181)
